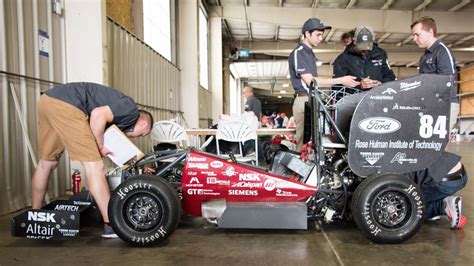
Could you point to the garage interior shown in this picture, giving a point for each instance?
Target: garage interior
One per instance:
(193, 72)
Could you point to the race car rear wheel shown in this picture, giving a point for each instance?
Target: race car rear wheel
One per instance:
(144, 210)
(388, 208)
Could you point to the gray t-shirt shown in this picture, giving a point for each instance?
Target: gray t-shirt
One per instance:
(253, 104)
(87, 96)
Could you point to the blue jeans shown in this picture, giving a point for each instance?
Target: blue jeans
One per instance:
(436, 192)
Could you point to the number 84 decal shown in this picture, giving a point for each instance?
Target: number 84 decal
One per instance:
(427, 129)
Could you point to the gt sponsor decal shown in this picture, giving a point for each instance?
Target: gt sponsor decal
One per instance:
(124, 191)
(195, 191)
(203, 166)
(216, 164)
(379, 125)
(372, 157)
(215, 181)
(401, 157)
(240, 192)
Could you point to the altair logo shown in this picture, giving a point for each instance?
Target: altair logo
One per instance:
(379, 125)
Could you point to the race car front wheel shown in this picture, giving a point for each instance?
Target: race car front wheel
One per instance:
(144, 210)
(388, 208)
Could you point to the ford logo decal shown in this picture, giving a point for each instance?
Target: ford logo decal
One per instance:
(379, 125)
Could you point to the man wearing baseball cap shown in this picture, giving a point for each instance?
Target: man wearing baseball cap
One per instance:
(365, 60)
(303, 69)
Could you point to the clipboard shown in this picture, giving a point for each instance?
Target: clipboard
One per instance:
(122, 148)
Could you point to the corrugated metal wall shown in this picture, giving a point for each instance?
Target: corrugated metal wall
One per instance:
(22, 22)
(140, 72)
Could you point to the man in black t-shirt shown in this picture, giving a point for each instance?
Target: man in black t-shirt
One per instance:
(438, 59)
(74, 117)
(303, 69)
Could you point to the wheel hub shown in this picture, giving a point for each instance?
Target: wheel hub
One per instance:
(143, 211)
(390, 208)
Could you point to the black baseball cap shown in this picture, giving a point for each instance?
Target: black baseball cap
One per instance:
(364, 38)
(314, 24)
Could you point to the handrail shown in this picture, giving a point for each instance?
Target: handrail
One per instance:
(28, 77)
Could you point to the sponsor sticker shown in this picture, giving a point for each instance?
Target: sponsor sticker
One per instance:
(216, 164)
(240, 192)
(203, 166)
(379, 125)
(215, 181)
(401, 158)
(406, 86)
(229, 171)
(249, 177)
(269, 184)
(372, 157)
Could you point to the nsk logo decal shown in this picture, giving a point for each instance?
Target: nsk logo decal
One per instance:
(406, 86)
(249, 177)
(372, 157)
(401, 157)
(216, 164)
(379, 125)
(41, 216)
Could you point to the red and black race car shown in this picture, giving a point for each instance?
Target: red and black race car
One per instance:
(397, 128)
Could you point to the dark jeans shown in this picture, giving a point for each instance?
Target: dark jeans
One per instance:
(436, 192)
(250, 145)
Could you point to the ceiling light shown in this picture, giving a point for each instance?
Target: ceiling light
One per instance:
(287, 76)
(282, 91)
(279, 96)
(286, 85)
(319, 63)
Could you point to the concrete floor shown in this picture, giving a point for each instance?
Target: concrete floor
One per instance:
(192, 244)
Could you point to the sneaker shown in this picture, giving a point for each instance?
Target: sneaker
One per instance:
(436, 218)
(108, 232)
(453, 209)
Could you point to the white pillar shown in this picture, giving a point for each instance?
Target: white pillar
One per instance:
(216, 70)
(188, 60)
(85, 25)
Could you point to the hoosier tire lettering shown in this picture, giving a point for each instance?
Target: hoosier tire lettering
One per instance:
(144, 210)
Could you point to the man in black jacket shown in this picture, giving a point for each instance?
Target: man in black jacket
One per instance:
(365, 60)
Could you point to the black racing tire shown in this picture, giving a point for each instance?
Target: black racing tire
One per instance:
(144, 210)
(388, 208)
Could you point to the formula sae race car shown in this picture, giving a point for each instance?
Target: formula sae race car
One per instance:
(397, 128)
